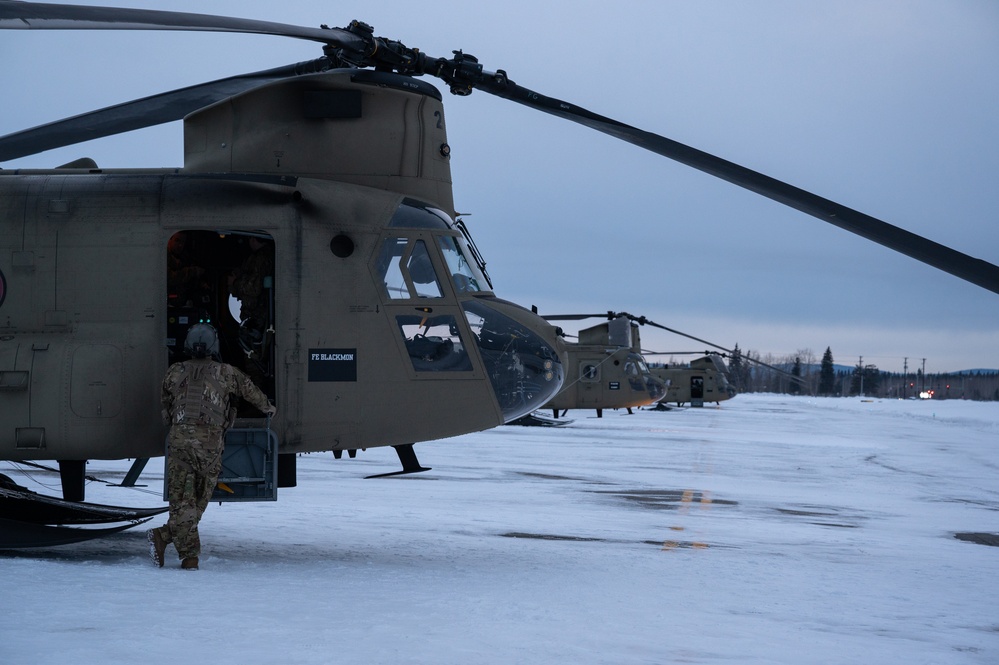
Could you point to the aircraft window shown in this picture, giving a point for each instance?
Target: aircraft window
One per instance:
(421, 270)
(233, 307)
(589, 372)
(634, 377)
(390, 268)
(412, 214)
(434, 343)
(519, 364)
(464, 274)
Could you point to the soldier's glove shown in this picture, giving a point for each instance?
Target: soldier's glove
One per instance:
(270, 411)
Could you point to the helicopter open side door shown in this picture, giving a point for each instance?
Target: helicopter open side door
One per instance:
(697, 390)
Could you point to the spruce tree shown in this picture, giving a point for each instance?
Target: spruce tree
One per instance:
(795, 387)
(872, 380)
(735, 367)
(827, 375)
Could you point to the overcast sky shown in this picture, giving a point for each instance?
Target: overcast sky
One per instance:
(889, 107)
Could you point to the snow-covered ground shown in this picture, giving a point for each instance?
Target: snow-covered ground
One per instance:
(772, 529)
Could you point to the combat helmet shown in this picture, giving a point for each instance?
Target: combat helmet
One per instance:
(202, 341)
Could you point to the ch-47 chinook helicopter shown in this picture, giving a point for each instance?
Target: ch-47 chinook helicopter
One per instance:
(605, 369)
(342, 164)
(703, 379)
(375, 297)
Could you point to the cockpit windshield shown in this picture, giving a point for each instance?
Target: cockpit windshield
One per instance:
(464, 274)
(406, 270)
(406, 261)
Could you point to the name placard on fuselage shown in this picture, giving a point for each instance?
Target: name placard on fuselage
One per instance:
(332, 364)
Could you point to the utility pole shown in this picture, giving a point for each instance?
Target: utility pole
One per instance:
(860, 364)
(922, 388)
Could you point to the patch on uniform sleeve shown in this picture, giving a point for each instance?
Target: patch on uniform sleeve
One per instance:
(332, 364)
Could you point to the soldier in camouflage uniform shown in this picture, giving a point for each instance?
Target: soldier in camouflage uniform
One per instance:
(247, 282)
(197, 396)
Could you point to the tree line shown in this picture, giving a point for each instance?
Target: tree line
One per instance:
(804, 373)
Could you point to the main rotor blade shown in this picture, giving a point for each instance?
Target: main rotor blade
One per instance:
(141, 113)
(706, 352)
(44, 16)
(641, 320)
(971, 269)
(576, 317)
(463, 74)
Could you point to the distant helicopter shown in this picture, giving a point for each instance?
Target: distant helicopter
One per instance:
(703, 379)
(605, 370)
(377, 295)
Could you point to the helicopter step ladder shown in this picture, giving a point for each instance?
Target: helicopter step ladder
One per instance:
(249, 466)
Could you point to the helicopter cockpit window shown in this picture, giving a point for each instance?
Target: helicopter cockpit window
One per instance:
(464, 274)
(634, 374)
(391, 269)
(434, 343)
(421, 269)
(407, 270)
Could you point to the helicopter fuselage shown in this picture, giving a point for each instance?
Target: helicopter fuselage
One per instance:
(598, 377)
(382, 329)
(605, 370)
(695, 383)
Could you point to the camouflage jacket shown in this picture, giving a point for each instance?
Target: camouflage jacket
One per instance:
(248, 284)
(200, 392)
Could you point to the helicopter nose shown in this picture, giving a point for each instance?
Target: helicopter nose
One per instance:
(522, 364)
(657, 389)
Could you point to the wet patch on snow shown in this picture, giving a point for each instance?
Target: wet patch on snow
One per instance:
(665, 545)
(549, 476)
(821, 511)
(550, 536)
(667, 499)
(991, 539)
(988, 505)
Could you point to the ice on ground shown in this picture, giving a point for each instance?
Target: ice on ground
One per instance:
(770, 529)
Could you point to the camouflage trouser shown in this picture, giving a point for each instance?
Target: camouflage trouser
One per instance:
(193, 464)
